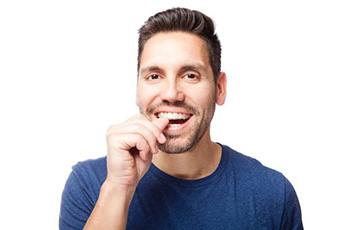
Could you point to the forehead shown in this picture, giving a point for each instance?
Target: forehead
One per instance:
(174, 49)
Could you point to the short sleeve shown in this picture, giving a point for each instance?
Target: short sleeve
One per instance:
(76, 204)
(292, 212)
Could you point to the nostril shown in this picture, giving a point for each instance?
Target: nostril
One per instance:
(172, 94)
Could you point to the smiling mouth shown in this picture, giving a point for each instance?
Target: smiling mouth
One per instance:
(174, 118)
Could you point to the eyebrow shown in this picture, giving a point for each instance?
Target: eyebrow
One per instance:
(155, 68)
(151, 69)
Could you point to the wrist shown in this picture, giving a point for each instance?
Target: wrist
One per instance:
(111, 208)
(121, 193)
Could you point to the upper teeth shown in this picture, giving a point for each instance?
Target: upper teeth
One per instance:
(173, 116)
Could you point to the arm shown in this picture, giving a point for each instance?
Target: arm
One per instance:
(80, 203)
(292, 212)
(111, 209)
(130, 149)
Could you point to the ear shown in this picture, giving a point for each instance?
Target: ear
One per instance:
(221, 89)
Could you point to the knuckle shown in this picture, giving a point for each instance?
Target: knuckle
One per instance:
(140, 139)
(151, 129)
(142, 143)
(111, 129)
(138, 126)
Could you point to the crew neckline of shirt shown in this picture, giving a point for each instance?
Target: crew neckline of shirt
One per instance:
(196, 182)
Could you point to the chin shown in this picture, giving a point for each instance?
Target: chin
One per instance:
(177, 145)
(174, 149)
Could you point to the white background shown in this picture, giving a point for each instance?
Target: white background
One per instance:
(68, 71)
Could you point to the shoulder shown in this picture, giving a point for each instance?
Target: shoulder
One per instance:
(252, 175)
(270, 190)
(92, 167)
(90, 173)
(87, 177)
(80, 192)
(248, 167)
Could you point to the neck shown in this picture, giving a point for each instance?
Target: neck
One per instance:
(195, 164)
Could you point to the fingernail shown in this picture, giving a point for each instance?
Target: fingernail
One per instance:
(162, 138)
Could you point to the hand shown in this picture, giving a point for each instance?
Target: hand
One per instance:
(130, 147)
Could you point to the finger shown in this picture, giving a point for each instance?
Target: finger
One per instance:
(140, 128)
(129, 142)
(161, 123)
(144, 149)
(136, 144)
(155, 126)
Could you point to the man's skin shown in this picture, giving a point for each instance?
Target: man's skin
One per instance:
(174, 76)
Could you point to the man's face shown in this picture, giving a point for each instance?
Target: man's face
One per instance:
(176, 81)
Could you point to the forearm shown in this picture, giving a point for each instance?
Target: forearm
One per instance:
(111, 209)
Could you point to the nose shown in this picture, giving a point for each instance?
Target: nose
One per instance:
(172, 92)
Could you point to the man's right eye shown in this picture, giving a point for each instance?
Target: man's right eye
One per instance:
(153, 77)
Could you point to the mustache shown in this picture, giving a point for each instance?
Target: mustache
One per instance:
(178, 104)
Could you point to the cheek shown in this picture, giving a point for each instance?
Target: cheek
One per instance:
(144, 95)
(204, 97)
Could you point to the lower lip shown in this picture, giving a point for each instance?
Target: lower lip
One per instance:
(175, 129)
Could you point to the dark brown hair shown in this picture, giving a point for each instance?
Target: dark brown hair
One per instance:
(186, 20)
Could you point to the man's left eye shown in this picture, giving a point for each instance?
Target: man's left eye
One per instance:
(191, 76)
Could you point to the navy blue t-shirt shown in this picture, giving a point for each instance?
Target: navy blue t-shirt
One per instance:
(240, 194)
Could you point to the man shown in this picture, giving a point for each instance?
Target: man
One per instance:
(162, 170)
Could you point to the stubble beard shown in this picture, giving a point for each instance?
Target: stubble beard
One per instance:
(188, 141)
